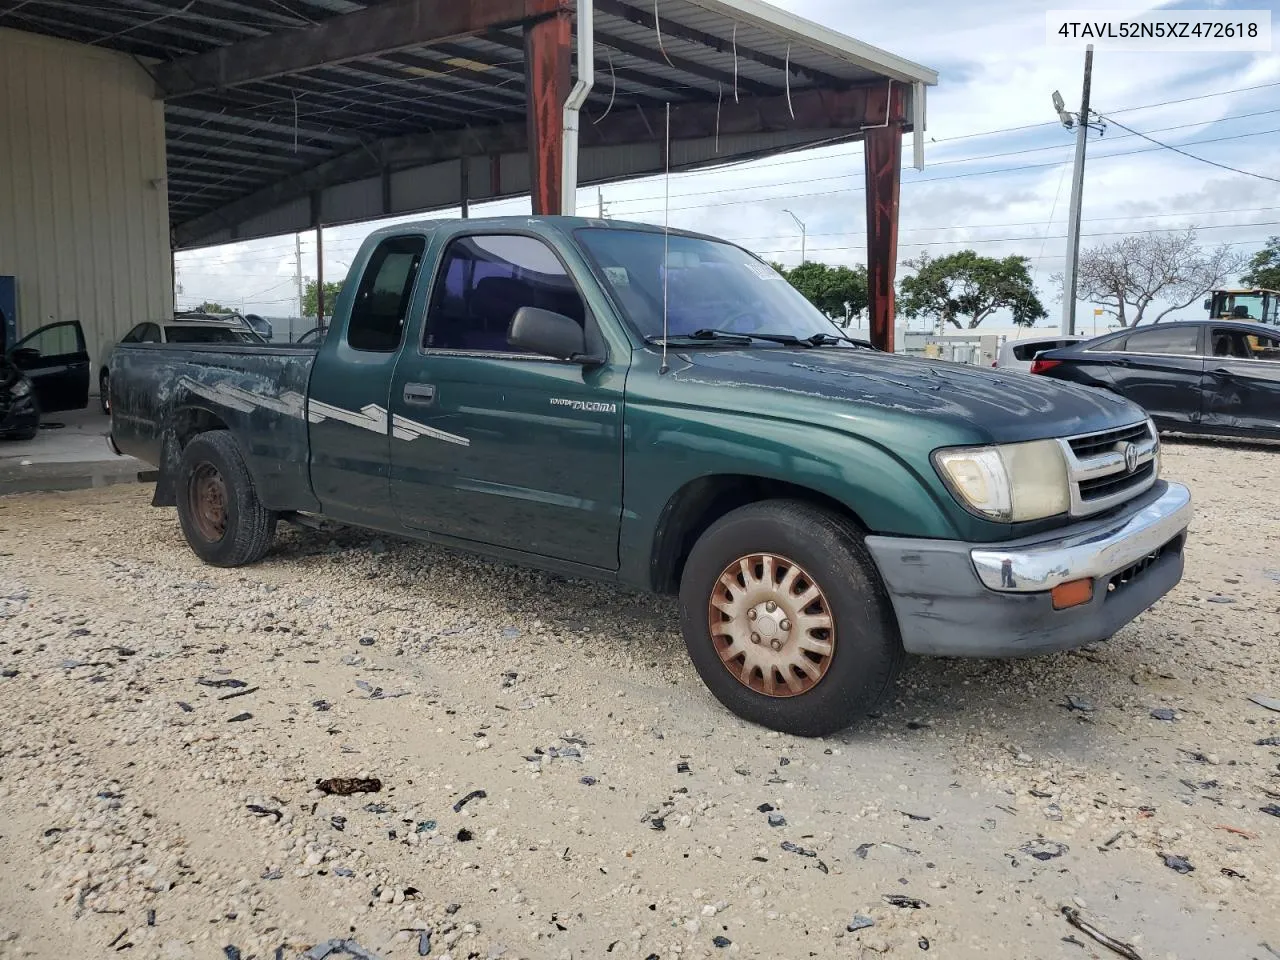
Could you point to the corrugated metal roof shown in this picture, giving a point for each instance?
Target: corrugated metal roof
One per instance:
(229, 142)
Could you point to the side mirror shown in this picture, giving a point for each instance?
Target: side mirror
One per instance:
(534, 330)
(1208, 304)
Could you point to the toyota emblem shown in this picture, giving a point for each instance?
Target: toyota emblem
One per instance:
(1130, 457)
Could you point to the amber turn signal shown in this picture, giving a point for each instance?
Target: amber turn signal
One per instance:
(1072, 594)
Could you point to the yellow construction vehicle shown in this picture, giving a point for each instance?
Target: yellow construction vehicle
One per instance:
(1258, 305)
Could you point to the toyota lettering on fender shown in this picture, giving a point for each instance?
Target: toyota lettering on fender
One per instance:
(658, 410)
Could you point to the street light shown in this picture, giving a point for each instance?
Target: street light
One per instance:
(803, 232)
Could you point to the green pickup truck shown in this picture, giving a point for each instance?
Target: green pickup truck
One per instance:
(662, 410)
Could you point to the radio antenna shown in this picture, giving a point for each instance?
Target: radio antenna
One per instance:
(666, 240)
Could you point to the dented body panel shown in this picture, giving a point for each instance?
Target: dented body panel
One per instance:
(161, 395)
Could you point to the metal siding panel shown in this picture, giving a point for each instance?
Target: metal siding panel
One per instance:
(357, 200)
(81, 225)
(431, 187)
(292, 217)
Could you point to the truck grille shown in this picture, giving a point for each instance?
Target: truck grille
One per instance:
(1100, 475)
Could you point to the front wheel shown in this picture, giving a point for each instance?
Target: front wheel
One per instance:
(786, 620)
(222, 518)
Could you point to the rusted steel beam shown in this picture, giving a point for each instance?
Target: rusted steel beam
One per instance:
(547, 54)
(882, 156)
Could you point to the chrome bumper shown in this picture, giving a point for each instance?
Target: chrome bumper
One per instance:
(1090, 550)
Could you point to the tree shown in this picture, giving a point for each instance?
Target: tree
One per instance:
(310, 304)
(966, 285)
(210, 307)
(1264, 267)
(839, 292)
(1128, 276)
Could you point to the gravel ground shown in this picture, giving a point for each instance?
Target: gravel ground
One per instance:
(163, 726)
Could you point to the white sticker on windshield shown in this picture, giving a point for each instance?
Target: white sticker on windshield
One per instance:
(618, 276)
(763, 270)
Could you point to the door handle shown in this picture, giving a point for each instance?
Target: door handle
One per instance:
(421, 393)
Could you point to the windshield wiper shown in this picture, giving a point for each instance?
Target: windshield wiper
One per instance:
(826, 339)
(706, 334)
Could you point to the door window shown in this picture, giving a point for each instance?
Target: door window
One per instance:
(381, 303)
(1239, 345)
(1180, 341)
(484, 280)
(54, 341)
(150, 333)
(135, 335)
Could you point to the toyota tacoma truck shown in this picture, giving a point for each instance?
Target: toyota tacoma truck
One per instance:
(663, 410)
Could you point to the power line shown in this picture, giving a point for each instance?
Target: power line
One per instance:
(1107, 233)
(1212, 163)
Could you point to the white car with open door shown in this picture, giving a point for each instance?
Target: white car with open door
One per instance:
(184, 328)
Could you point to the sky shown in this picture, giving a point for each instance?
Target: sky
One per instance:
(998, 163)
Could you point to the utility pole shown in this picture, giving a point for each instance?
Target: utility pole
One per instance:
(803, 232)
(1077, 195)
(600, 205)
(320, 276)
(297, 269)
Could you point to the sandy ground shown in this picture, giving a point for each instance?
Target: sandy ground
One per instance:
(147, 813)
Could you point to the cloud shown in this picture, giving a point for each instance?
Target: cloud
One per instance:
(1000, 190)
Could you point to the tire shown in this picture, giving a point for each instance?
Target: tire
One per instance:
(104, 392)
(222, 518)
(864, 649)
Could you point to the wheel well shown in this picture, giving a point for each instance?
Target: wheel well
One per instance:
(188, 423)
(192, 421)
(700, 503)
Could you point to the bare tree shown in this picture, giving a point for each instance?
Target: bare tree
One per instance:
(1128, 276)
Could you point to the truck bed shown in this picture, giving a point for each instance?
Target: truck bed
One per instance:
(162, 393)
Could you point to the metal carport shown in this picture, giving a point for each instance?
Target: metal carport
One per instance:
(284, 115)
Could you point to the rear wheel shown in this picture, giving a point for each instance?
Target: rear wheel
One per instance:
(786, 620)
(222, 518)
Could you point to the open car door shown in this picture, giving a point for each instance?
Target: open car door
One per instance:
(55, 359)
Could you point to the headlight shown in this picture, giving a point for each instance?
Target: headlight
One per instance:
(1155, 435)
(20, 389)
(1011, 482)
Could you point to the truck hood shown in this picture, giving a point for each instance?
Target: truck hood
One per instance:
(1005, 406)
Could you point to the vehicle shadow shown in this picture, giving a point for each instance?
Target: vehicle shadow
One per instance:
(1021, 701)
(1211, 443)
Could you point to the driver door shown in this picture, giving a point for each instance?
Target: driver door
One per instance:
(55, 359)
(496, 447)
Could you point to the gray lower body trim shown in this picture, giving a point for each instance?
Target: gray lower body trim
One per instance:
(943, 609)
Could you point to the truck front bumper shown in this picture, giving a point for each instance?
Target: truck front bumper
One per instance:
(993, 599)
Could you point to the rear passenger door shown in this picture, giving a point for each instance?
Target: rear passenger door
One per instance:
(349, 430)
(1242, 383)
(496, 447)
(56, 360)
(1160, 369)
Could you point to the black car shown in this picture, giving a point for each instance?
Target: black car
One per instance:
(1218, 377)
(19, 415)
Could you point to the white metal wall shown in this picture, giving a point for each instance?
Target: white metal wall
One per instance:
(83, 204)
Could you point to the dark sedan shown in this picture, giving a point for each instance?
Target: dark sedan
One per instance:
(1209, 377)
(19, 415)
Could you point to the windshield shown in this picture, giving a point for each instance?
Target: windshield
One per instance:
(710, 286)
(1260, 307)
(210, 334)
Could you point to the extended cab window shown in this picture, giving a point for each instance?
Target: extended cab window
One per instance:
(1182, 341)
(484, 280)
(382, 299)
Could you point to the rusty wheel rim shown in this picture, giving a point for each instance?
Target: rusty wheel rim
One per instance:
(207, 496)
(771, 625)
